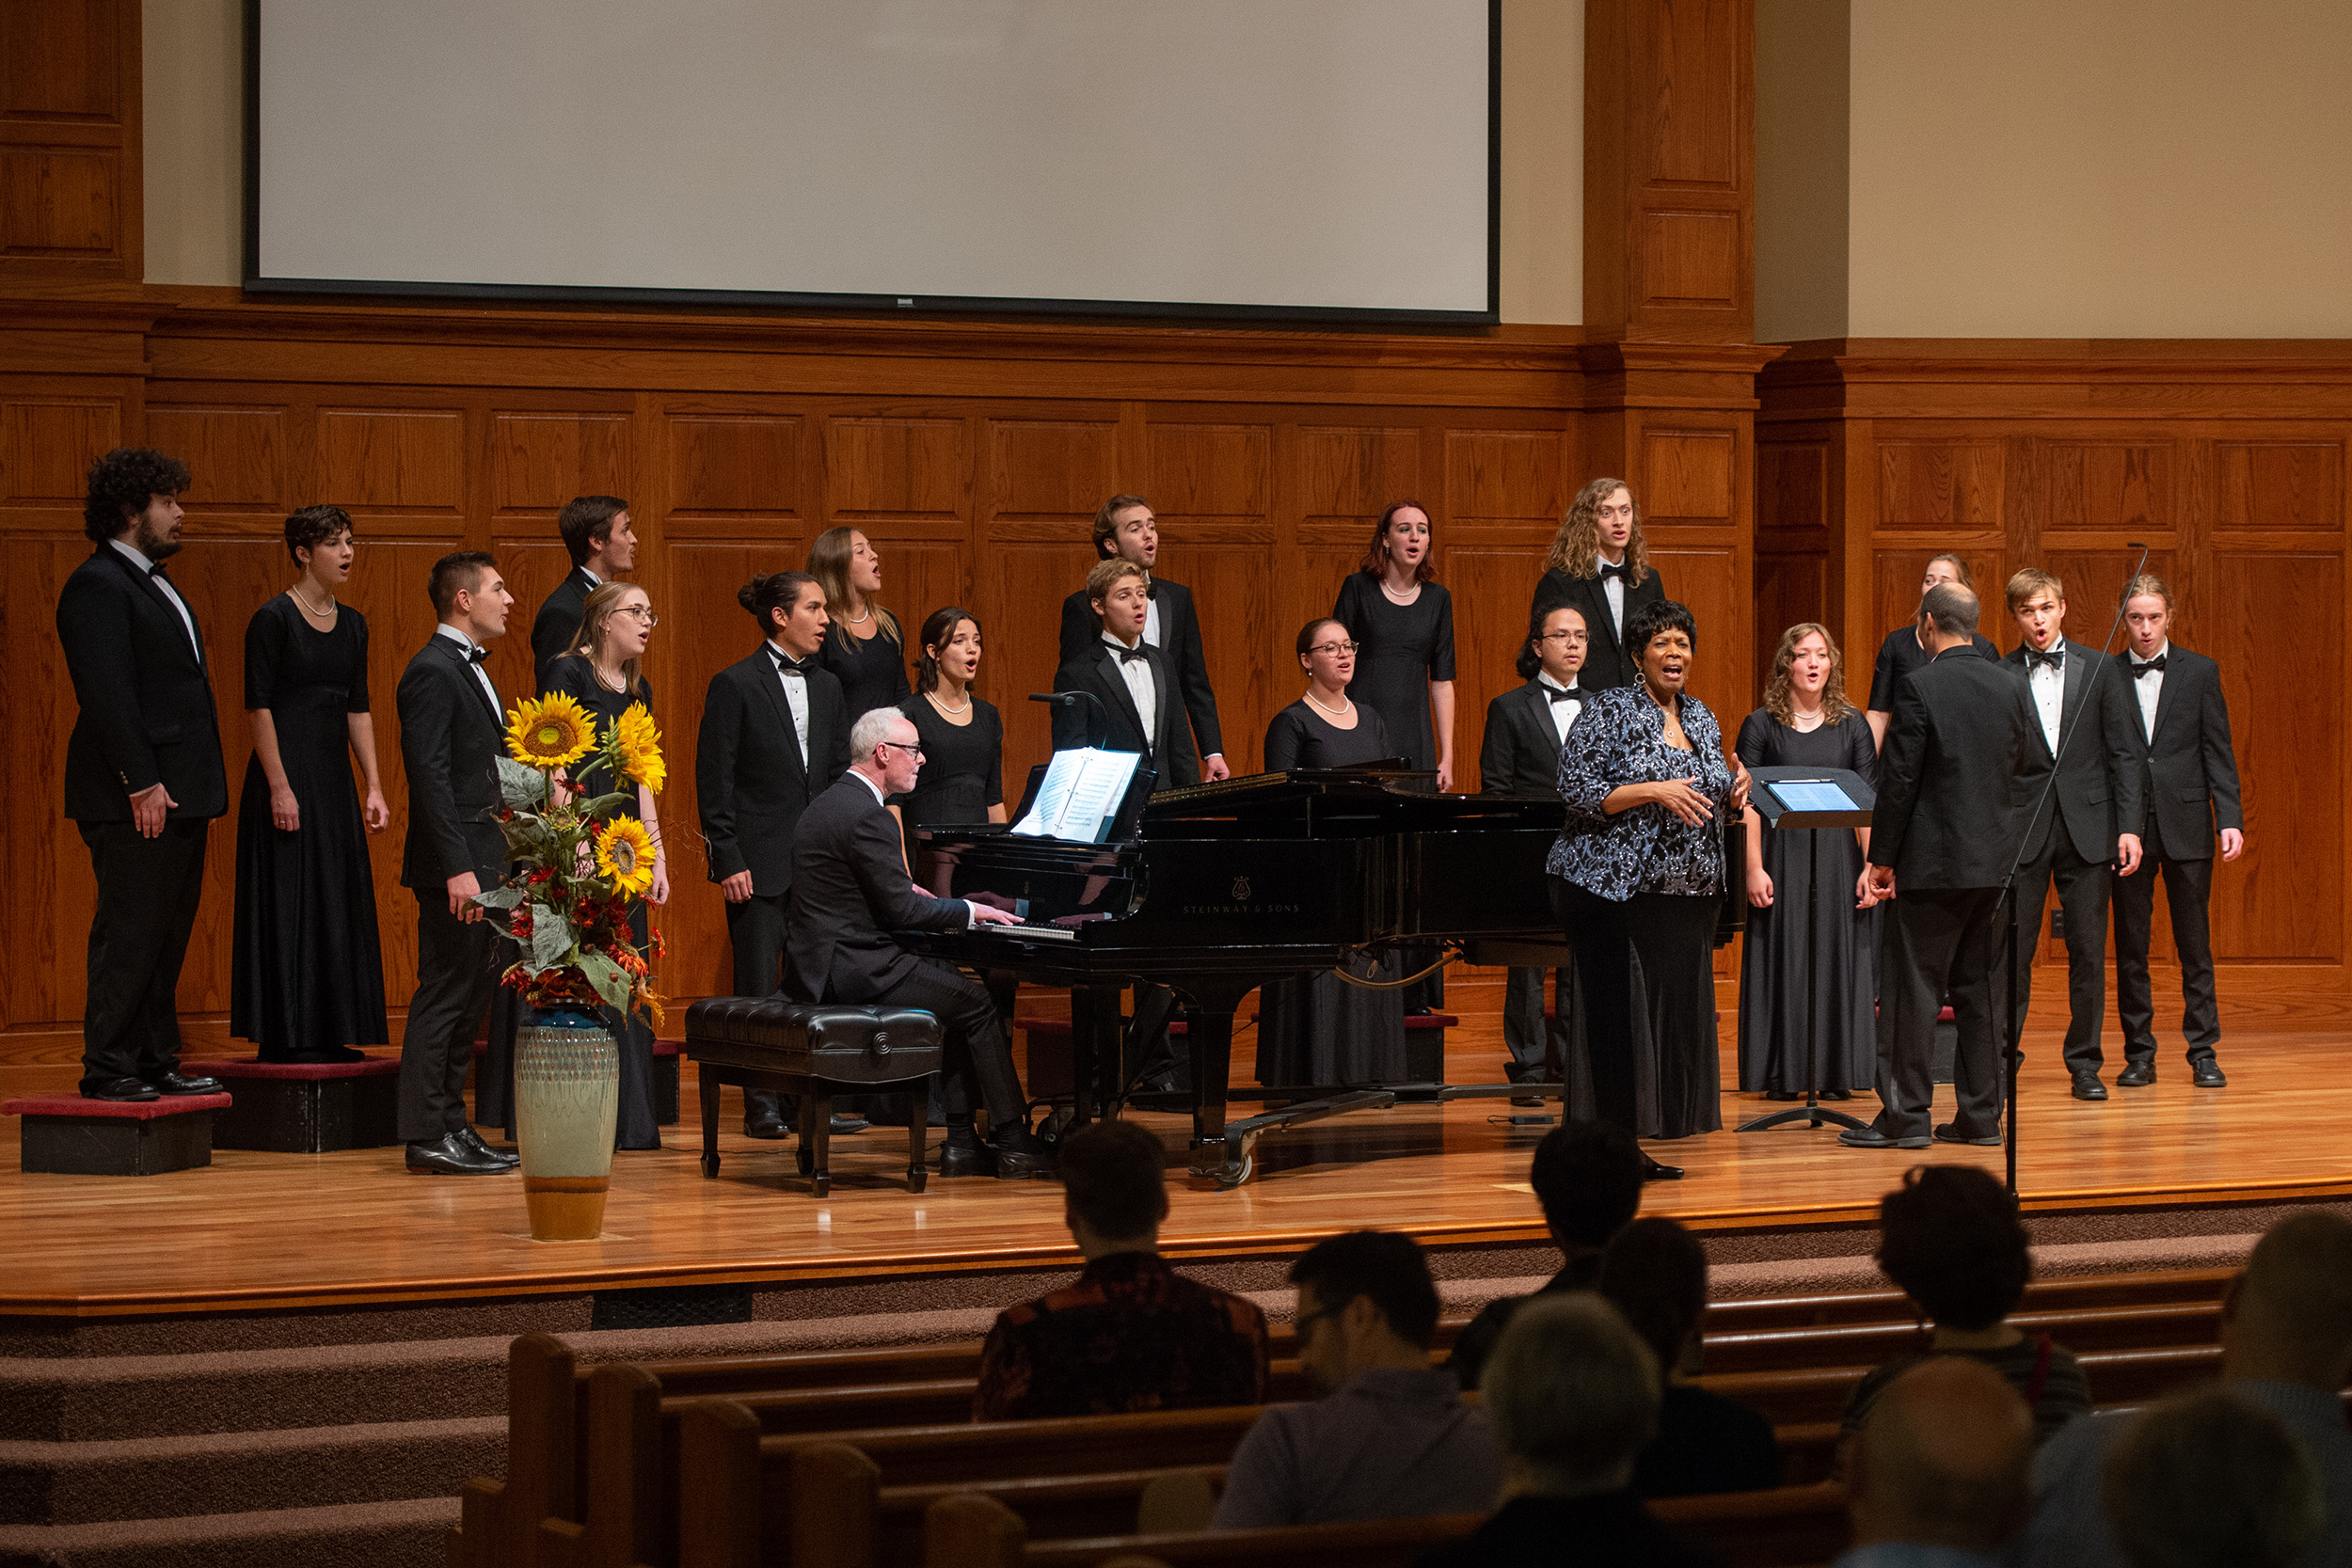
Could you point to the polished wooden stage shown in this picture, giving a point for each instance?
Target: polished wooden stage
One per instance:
(280, 1232)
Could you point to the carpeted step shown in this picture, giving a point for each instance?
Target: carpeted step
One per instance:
(164, 1477)
(409, 1534)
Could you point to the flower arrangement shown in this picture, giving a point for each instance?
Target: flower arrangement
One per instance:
(577, 879)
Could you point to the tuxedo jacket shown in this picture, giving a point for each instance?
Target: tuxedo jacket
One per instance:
(2187, 771)
(1096, 670)
(1520, 755)
(749, 782)
(451, 738)
(1951, 788)
(146, 697)
(1606, 662)
(558, 618)
(849, 892)
(2098, 793)
(1179, 649)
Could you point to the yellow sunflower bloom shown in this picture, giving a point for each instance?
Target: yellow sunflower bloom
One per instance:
(640, 746)
(625, 854)
(549, 732)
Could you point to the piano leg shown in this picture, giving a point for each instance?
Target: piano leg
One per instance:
(1095, 1040)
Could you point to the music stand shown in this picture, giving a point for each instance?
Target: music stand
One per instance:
(1811, 801)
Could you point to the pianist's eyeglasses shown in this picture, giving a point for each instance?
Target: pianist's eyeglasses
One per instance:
(915, 752)
(1332, 648)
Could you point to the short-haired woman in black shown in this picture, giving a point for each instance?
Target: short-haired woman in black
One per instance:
(307, 972)
(963, 780)
(1637, 874)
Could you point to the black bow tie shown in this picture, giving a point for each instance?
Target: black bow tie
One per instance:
(157, 571)
(1563, 694)
(2156, 664)
(2036, 658)
(1621, 570)
(475, 656)
(787, 665)
(1128, 655)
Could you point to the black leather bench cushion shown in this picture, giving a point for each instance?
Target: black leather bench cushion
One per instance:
(822, 1039)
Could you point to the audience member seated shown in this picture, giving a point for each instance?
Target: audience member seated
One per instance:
(1937, 1476)
(1654, 1274)
(2214, 1480)
(1951, 1239)
(1130, 1333)
(2286, 1346)
(1573, 1395)
(1587, 1176)
(1391, 1437)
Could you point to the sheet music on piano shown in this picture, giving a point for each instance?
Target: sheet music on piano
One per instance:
(1080, 794)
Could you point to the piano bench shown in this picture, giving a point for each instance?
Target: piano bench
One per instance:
(812, 1049)
(1049, 1067)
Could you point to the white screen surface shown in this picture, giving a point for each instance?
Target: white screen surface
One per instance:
(1287, 154)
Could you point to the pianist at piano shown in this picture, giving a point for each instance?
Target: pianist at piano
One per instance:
(849, 895)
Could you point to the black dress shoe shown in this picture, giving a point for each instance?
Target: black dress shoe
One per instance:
(1782, 1094)
(1018, 1155)
(450, 1155)
(1529, 1100)
(1947, 1134)
(1653, 1171)
(967, 1159)
(1870, 1137)
(764, 1121)
(2137, 1075)
(2207, 1074)
(126, 1090)
(842, 1127)
(175, 1082)
(2087, 1086)
(473, 1140)
(1837, 1094)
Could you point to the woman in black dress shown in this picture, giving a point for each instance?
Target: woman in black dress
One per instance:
(307, 972)
(1807, 722)
(602, 674)
(1900, 654)
(863, 647)
(963, 780)
(1324, 1030)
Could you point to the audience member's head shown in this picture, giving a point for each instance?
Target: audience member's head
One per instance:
(2209, 1481)
(1654, 1274)
(1573, 1395)
(1950, 1239)
(1365, 1301)
(1114, 1188)
(2288, 1318)
(1943, 1460)
(1587, 1175)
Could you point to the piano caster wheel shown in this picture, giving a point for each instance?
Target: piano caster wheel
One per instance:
(710, 1168)
(1221, 1177)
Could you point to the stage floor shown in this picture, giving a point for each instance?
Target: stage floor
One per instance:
(283, 1231)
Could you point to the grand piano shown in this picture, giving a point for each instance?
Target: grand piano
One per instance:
(1215, 890)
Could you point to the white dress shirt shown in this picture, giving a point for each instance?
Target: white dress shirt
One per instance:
(1613, 589)
(147, 570)
(1563, 713)
(2150, 691)
(481, 672)
(2049, 692)
(795, 684)
(1136, 672)
(1151, 619)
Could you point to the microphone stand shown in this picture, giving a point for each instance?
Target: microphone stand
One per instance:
(2014, 1026)
(1098, 716)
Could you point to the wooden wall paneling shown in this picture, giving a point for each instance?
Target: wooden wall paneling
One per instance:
(1049, 469)
(399, 467)
(1896, 573)
(890, 467)
(1707, 581)
(1212, 487)
(71, 202)
(2106, 485)
(1350, 474)
(920, 576)
(1486, 645)
(2287, 485)
(49, 437)
(735, 469)
(1506, 476)
(1939, 486)
(1791, 588)
(1794, 547)
(238, 463)
(1233, 586)
(540, 459)
(42, 979)
(1209, 471)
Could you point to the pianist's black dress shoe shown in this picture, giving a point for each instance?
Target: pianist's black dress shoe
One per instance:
(1947, 1134)
(2087, 1086)
(472, 1140)
(450, 1155)
(842, 1127)
(2206, 1074)
(2137, 1075)
(1018, 1155)
(128, 1089)
(970, 1157)
(1653, 1171)
(176, 1082)
(1870, 1137)
(763, 1114)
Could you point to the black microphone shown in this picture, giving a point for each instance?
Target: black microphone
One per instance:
(1098, 716)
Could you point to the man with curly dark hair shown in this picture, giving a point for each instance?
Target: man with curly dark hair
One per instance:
(143, 774)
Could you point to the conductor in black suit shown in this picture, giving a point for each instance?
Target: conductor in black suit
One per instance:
(1943, 834)
(2072, 840)
(2189, 783)
(850, 892)
(1599, 567)
(1520, 755)
(1126, 674)
(602, 544)
(143, 773)
(776, 732)
(1124, 530)
(451, 733)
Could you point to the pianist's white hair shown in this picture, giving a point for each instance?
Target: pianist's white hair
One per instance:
(873, 727)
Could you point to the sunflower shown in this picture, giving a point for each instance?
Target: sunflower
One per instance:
(638, 745)
(625, 854)
(549, 732)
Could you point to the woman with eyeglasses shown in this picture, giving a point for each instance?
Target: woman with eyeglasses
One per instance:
(1326, 1031)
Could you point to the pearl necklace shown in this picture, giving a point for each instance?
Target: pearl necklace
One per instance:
(951, 711)
(316, 614)
(1339, 712)
(1800, 719)
(1395, 597)
(861, 618)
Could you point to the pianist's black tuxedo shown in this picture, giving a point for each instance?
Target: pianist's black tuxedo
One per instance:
(1095, 669)
(558, 619)
(2189, 780)
(1520, 755)
(1181, 650)
(145, 717)
(1606, 661)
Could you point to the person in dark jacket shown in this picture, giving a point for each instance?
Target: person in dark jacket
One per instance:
(1600, 565)
(1655, 1274)
(1125, 530)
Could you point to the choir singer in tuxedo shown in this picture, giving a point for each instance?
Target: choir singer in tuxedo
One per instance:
(1126, 674)
(2189, 782)
(1599, 567)
(1943, 836)
(850, 892)
(143, 775)
(1125, 530)
(598, 536)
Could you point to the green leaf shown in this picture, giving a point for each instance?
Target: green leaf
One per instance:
(613, 801)
(609, 980)
(551, 939)
(503, 897)
(521, 787)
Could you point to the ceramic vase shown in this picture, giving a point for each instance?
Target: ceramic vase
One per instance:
(567, 1091)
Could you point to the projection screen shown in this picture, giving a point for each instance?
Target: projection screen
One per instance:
(1235, 158)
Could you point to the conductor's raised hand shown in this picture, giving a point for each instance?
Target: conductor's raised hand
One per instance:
(1679, 797)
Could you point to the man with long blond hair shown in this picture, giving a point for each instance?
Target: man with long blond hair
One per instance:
(1598, 566)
